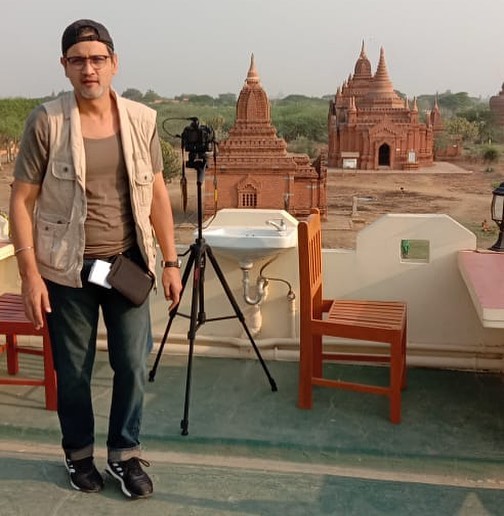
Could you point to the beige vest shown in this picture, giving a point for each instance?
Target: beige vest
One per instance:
(61, 206)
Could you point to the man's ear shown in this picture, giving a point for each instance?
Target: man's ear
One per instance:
(115, 63)
(63, 64)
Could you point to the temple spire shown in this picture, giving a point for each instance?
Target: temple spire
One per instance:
(381, 78)
(436, 105)
(362, 68)
(253, 103)
(252, 75)
(381, 89)
(363, 51)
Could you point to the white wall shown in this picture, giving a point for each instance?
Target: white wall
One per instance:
(444, 329)
(443, 326)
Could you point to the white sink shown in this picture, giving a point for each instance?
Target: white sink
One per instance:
(249, 244)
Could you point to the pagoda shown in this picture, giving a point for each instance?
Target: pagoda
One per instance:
(497, 107)
(253, 168)
(371, 127)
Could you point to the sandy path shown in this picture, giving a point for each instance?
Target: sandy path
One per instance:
(462, 191)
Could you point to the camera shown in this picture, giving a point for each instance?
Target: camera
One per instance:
(197, 139)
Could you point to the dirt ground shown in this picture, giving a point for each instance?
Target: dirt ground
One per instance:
(355, 198)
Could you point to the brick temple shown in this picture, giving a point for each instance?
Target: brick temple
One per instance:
(497, 107)
(371, 127)
(253, 168)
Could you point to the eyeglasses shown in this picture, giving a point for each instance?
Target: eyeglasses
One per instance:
(79, 62)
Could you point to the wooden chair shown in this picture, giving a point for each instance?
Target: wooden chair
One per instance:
(13, 322)
(376, 321)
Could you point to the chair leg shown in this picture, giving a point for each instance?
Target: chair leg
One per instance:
(396, 377)
(12, 354)
(404, 339)
(305, 397)
(317, 356)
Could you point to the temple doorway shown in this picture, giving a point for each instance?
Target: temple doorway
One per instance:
(384, 155)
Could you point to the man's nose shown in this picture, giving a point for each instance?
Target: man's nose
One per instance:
(87, 65)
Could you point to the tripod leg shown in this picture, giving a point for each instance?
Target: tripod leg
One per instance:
(197, 290)
(239, 314)
(173, 313)
(152, 372)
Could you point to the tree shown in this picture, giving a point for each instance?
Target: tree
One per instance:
(151, 96)
(297, 116)
(489, 130)
(303, 145)
(450, 104)
(458, 126)
(294, 98)
(201, 99)
(220, 127)
(133, 94)
(13, 113)
(454, 102)
(171, 161)
(227, 99)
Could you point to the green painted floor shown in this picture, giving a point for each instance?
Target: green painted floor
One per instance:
(251, 451)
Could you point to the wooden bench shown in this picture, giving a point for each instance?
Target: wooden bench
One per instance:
(14, 323)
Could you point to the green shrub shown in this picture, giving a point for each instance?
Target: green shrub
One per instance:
(302, 145)
(490, 154)
(171, 161)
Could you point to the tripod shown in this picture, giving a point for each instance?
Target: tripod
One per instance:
(199, 251)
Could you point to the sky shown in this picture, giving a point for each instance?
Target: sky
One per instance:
(306, 47)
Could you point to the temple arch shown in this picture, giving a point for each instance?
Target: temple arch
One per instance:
(384, 155)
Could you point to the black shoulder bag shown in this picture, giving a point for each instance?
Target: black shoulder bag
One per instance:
(130, 280)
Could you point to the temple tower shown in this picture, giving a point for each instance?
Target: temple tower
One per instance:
(497, 107)
(253, 168)
(371, 127)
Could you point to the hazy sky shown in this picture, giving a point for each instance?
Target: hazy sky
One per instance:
(300, 46)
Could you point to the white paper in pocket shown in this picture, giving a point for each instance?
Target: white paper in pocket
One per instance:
(99, 272)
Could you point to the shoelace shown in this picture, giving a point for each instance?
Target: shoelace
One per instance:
(134, 465)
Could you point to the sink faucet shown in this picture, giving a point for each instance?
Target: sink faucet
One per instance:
(279, 224)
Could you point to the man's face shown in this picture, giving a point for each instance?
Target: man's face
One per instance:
(90, 68)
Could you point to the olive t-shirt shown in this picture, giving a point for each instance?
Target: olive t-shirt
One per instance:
(109, 225)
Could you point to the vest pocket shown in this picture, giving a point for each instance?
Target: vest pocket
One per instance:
(143, 181)
(59, 190)
(53, 250)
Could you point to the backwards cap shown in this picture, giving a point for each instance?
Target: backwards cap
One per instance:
(94, 32)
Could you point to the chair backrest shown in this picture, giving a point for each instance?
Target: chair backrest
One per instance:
(310, 265)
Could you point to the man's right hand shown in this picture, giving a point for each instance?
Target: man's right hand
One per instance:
(35, 299)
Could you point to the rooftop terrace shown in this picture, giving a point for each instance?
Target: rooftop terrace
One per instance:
(251, 451)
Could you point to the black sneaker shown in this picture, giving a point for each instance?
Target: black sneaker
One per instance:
(83, 475)
(135, 483)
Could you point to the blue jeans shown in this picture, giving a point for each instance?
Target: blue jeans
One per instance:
(73, 330)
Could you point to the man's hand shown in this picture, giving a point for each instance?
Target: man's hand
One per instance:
(172, 285)
(35, 299)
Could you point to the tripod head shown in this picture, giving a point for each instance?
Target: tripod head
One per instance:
(199, 141)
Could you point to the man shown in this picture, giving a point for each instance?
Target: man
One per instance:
(88, 186)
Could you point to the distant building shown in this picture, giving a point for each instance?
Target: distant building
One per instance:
(370, 127)
(253, 168)
(497, 107)
(446, 147)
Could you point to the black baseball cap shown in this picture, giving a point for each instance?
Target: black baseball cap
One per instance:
(75, 33)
